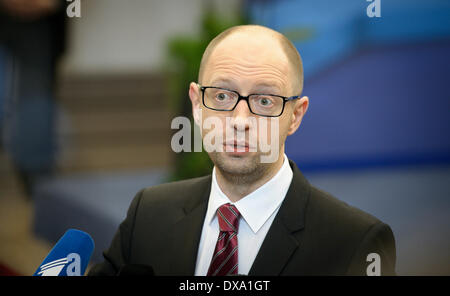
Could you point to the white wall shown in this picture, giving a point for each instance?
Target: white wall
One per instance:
(129, 35)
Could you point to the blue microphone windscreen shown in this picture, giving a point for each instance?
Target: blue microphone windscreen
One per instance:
(69, 257)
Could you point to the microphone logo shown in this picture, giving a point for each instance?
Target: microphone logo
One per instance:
(54, 268)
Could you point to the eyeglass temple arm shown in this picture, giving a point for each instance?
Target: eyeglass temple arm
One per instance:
(292, 98)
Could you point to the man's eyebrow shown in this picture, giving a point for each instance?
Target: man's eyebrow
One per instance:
(222, 82)
(258, 88)
(264, 86)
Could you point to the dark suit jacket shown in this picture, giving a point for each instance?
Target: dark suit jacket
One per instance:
(312, 234)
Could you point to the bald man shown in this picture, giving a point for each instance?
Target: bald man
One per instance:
(254, 214)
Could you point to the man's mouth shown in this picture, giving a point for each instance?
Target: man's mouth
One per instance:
(236, 147)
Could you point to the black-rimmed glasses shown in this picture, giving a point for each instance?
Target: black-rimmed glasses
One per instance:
(222, 99)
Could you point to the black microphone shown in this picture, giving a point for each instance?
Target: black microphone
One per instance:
(136, 270)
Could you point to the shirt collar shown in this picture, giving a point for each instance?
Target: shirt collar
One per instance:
(257, 207)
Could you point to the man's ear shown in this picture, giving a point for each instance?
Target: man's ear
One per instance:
(300, 108)
(195, 96)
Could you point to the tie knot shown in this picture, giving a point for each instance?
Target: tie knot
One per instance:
(228, 217)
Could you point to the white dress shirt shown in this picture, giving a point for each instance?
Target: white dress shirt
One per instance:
(258, 209)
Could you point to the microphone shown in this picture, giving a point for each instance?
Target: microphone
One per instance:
(69, 257)
(136, 270)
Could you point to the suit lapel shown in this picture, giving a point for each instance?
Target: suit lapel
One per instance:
(275, 251)
(280, 242)
(186, 232)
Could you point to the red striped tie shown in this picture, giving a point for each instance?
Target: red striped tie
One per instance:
(225, 258)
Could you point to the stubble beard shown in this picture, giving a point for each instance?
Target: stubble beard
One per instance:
(239, 170)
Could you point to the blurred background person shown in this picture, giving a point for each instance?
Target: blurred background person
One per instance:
(32, 38)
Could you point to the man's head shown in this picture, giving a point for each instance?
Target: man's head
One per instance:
(275, 38)
(249, 59)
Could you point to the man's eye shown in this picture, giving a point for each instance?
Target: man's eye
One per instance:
(222, 96)
(264, 101)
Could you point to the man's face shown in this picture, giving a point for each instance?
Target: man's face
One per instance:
(248, 66)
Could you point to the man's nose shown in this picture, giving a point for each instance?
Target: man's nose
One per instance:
(240, 117)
